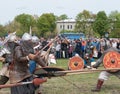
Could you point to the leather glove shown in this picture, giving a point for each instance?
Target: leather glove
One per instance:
(38, 81)
(31, 56)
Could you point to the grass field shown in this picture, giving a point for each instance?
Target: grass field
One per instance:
(76, 84)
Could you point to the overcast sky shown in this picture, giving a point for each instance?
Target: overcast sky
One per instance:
(11, 8)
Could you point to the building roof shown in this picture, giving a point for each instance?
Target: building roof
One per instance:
(73, 20)
(66, 20)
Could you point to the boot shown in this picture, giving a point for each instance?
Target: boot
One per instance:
(39, 90)
(98, 87)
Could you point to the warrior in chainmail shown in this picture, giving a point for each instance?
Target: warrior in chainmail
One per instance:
(6, 55)
(88, 61)
(19, 71)
(104, 75)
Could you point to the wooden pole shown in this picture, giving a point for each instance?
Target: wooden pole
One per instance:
(88, 70)
(48, 44)
(15, 84)
(36, 81)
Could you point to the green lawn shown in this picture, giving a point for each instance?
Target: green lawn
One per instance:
(76, 84)
(79, 83)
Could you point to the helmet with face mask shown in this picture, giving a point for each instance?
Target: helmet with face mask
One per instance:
(10, 38)
(26, 43)
(35, 39)
(26, 37)
(37, 44)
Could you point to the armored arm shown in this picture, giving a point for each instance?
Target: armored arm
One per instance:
(3, 55)
(99, 61)
(4, 51)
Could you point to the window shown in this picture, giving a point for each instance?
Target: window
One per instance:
(63, 26)
(67, 26)
(60, 26)
(70, 26)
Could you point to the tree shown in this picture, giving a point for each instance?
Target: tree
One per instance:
(13, 27)
(114, 17)
(2, 31)
(46, 23)
(26, 21)
(84, 21)
(62, 17)
(101, 23)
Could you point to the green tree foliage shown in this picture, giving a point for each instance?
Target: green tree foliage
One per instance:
(46, 23)
(115, 33)
(62, 17)
(83, 22)
(101, 23)
(112, 16)
(13, 27)
(2, 31)
(115, 24)
(26, 21)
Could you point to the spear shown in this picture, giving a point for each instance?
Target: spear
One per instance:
(35, 81)
(88, 70)
(56, 72)
(49, 44)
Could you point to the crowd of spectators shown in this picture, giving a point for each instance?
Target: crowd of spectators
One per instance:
(93, 46)
(65, 48)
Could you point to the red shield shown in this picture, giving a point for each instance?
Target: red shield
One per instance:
(111, 60)
(76, 63)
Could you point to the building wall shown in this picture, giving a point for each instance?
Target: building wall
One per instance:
(68, 24)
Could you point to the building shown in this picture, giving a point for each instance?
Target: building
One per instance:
(68, 24)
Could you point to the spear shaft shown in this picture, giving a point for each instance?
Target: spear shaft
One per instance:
(88, 70)
(15, 84)
(35, 81)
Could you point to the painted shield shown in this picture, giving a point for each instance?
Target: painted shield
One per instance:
(76, 63)
(111, 60)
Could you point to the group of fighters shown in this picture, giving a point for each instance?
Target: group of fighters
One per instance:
(104, 75)
(16, 57)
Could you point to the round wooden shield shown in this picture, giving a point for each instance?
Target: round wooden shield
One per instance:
(76, 63)
(111, 60)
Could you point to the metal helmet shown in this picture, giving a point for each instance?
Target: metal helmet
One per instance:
(87, 56)
(26, 36)
(35, 39)
(11, 37)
